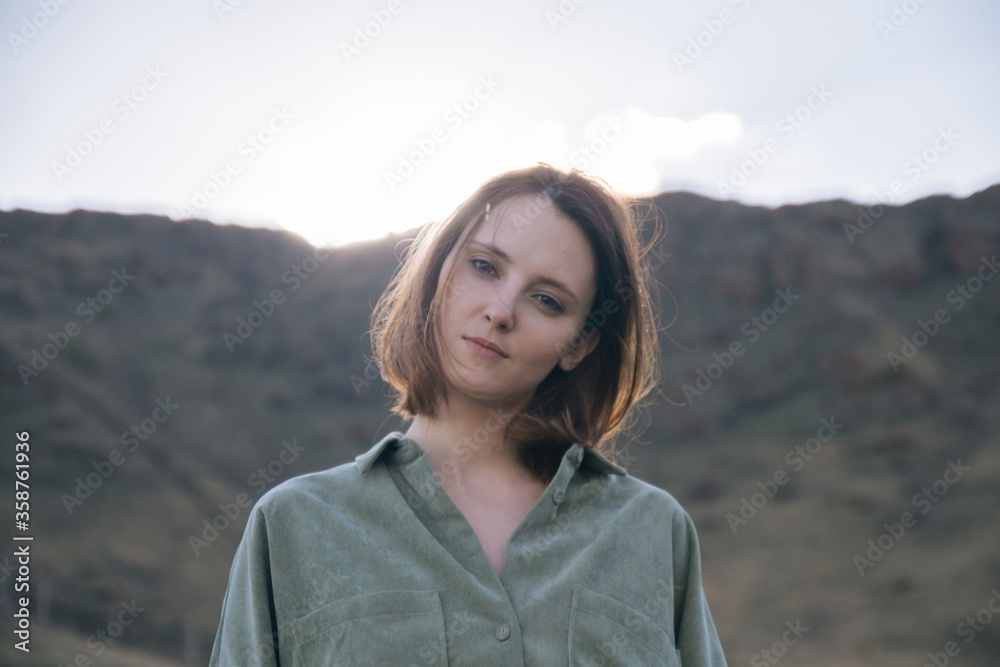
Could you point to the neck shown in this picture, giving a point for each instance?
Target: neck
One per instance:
(464, 442)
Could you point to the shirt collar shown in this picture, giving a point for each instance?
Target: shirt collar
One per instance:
(577, 454)
(365, 461)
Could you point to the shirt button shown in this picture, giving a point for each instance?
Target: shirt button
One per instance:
(558, 496)
(503, 632)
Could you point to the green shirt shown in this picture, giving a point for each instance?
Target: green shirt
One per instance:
(371, 563)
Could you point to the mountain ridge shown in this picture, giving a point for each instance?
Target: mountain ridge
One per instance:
(161, 339)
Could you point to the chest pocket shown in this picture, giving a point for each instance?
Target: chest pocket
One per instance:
(404, 628)
(604, 632)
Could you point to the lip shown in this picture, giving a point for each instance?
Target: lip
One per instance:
(486, 348)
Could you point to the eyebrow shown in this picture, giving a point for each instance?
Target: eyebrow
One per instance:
(544, 279)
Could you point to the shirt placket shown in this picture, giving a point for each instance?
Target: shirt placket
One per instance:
(449, 527)
(530, 540)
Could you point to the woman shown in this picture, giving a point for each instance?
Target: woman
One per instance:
(497, 530)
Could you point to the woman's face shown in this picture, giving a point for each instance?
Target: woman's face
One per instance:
(518, 295)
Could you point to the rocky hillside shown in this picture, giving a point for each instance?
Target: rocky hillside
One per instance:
(829, 415)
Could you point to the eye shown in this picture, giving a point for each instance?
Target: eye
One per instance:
(549, 303)
(483, 266)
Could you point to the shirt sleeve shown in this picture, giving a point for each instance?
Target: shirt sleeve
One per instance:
(248, 632)
(697, 641)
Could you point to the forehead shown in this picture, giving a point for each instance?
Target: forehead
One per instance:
(522, 216)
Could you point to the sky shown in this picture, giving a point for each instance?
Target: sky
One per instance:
(347, 121)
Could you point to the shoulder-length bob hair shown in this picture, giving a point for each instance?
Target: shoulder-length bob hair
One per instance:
(593, 403)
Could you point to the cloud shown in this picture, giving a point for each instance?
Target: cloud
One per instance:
(628, 147)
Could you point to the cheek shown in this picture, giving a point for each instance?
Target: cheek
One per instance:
(447, 295)
(456, 288)
(571, 338)
(456, 302)
(553, 342)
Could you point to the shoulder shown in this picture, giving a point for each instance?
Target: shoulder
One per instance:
(641, 503)
(634, 490)
(345, 483)
(341, 485)
(621, 491)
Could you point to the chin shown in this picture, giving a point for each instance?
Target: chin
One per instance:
(491, 396)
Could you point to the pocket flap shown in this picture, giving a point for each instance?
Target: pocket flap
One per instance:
(376, 628)
(605, 631)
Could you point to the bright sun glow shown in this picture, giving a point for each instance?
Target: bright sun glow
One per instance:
(309, 175)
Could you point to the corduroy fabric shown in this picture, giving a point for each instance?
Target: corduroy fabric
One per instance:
(371, 563)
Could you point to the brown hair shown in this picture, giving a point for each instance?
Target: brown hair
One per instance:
(593, 403)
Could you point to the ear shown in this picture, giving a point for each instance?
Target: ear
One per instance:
(576, 354)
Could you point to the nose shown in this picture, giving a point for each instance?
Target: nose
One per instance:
(499, 311)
